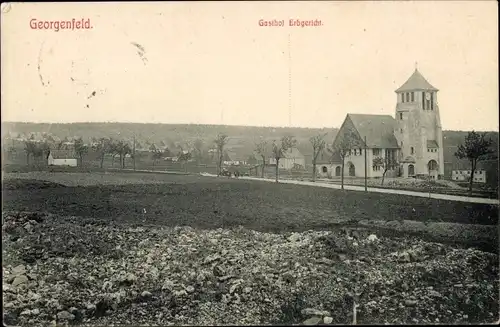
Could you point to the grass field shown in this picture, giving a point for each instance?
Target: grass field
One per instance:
(249, 252)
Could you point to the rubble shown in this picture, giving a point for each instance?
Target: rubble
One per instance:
(171, 276)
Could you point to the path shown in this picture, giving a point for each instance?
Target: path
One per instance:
(353, 188)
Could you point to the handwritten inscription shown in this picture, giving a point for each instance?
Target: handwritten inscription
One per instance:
(57, 25)
(290, 22)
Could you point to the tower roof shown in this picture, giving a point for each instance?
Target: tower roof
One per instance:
(416, 82)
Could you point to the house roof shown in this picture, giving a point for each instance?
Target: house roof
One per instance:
(293, 153)
(63, 154)
(416, 82)
(378, 130)
(432, 144)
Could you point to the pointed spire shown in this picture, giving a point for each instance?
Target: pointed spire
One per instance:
(416, 82)
(416, 65)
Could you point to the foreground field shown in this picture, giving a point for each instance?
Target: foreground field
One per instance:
(88, 271)
(109, 248)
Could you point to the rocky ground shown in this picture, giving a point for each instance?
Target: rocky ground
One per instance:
(88, 271)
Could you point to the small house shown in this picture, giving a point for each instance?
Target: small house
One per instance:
(292, 159)
(62, 158)
(464, 176)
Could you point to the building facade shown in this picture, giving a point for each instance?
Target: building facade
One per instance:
(409, 144)
(464, 176)
(292, 159)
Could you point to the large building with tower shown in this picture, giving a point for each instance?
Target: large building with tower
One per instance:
(410, 144)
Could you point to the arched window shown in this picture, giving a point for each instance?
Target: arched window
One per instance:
(324, 169)
(411, 170)
(337, 171)
(412, 149)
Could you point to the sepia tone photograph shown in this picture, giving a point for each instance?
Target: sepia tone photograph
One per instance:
(250, 163)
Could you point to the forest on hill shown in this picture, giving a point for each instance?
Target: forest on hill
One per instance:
(241, 138)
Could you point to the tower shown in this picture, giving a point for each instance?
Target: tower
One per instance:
(419, 131)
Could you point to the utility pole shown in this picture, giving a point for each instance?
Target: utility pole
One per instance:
(366, 169)
(134, 151)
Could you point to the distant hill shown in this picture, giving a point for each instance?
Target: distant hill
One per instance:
(242, 138)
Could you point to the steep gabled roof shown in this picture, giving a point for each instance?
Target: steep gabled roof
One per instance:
(416, 82)
(293, 153)
(378, 130)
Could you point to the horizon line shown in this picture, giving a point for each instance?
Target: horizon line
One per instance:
(218, 125)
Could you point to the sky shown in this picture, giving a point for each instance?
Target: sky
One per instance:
(211, 62)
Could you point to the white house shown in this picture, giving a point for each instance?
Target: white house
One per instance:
(464, 175)
(62, 158)
(292, 158)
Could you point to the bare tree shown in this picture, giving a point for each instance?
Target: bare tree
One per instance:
(30, 149)
(279, 150)
(475, 149)
(102, 146)
(81, 149)
(385, 163)
(198, 150)
(261, 148)
(318, 143)
(342, 147)
(220, 142)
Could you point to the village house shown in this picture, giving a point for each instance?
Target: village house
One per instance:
(292, 159)
(62, 158)
(410, 143)
(464, 176)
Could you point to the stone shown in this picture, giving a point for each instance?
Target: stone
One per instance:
(35, 312)
(327, 320)
(211, 258)
(19, 270)
(190, 289)
(372, 238)
(295, 237)
(21, 279)
(65, 315)
(312, 321)
(434, 294)
(146, 294)
(410, 303)
(91, 307)
(314, 312)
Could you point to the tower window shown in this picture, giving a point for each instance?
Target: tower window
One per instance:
(412, 149)
(432, 101)
(407, 97)
(400, 115)
(402, 98)
(412, 96)
(401, 130)
(423, 100)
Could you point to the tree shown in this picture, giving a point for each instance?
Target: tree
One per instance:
(220, 142)
(198, 150)
(30, 149)
(156, 155)
(475, 149)
(261, 148)
(184, 157)
(342, 147)
(386, 163)
(102, 146)
(81, 149)
(280, 148)
(318, 144)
